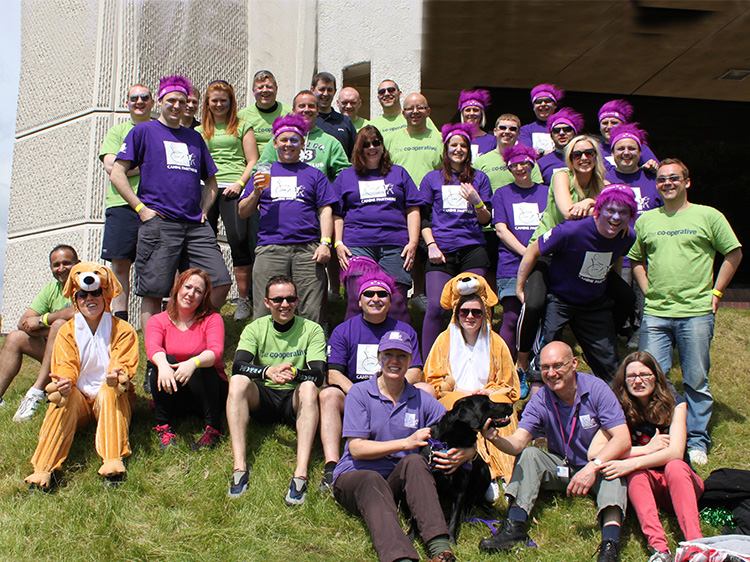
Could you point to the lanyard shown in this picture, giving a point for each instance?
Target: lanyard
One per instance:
(572, 427)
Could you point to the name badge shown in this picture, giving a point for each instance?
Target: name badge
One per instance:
(410, 420)
(563, 472)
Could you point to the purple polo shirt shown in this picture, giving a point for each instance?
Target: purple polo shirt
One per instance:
(482, 145)
(374, 207)
(354, 344)
(549, 164)
(454, 219)
(536, 135)
(370, 415)
(172, 163)
(595, 407)
(520, 209)
(581, 259)
(289, 207)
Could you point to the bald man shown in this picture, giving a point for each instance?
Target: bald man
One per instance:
(392, 120)
(349, 104)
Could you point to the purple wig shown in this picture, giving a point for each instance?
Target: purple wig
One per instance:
(617, 193)
(568, 117)
(547, 90)
(476, 98)
(291, 122)
(175, 83)
(627, 131)
(358, 265)
(466, 129)
(519, 153)
(619, 109)
(376, 278)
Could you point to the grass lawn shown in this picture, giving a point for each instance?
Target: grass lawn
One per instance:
(173, 506)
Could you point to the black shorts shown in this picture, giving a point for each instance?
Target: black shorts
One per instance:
(274, 405)
(468, 257)
(120, 233)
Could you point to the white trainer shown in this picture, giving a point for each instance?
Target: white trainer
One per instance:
(29, 405)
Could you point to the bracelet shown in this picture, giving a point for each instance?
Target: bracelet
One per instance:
(242, 183)
(197, 362)
(431, 243)
(337, 244)
(717, 293)
(139, 206)
(45, 318)
(480, 205)
(326, 242)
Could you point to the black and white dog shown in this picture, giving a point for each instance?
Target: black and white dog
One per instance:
(458, 428)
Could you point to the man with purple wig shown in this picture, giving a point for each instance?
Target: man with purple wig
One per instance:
(544, 100)
(177, 188)
(615, 113)
(563, 126)
(583, 252)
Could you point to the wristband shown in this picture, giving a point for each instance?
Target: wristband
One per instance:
(337, 244)
(242, 183)
(431, 243)
(326, 242)
(139, 206)
(197, 362)
(480, 205)
(294, 370)
(45, 319)
(717, 293)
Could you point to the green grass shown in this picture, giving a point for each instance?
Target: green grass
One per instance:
(173, 506)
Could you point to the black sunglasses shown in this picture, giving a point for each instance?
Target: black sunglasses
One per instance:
(81, 295)
(381, 294)
(375, 143)
(466, 312)
(576, 154)
(558, 130)
(511, 128)
(144, 97)
(278, 300)
(390, 90)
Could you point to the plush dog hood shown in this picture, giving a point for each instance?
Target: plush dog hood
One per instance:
(467, 284)
(89, 276)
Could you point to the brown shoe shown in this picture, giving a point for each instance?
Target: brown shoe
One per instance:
(446, 556)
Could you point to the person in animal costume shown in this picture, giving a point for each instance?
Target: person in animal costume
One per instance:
(94, 358)
(469, 358)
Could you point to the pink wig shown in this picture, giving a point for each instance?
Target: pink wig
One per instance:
(466, 129)
(617, 193)
(619, 109)
(566, 116)
(476, 98)
(376, 278)
(519, 153)
(547, 90)
(628, 131)
(291, 122)
(175, 83)
(358, 265)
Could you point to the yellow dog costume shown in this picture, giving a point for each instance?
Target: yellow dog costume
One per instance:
(502, 380)
(85, 358)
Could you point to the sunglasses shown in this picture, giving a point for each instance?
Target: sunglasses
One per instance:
(81, 295)
(371, 294)
(144, 97)
(292, 299)
(511, 128)
(577, 154)
(474, 312)
(540, 101)
(375, 143)
(661, 180)
(390, 90)
(558, 130)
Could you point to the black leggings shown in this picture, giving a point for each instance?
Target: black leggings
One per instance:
(239, 231)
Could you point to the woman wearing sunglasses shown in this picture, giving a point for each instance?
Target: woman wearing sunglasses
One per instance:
(377, 216)
(657, 471)
(232, 145)
(185, 347)
(470, 358)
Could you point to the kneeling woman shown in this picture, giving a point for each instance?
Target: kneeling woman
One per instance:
(185, 344)
(386, 420)
(657, 472)
(94, 357)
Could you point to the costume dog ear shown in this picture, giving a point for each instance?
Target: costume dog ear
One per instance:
(467, 283)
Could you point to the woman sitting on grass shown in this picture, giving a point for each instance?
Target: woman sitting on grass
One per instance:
(657, 472)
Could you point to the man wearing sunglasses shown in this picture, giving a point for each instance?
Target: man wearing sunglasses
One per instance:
(392, 120)
(120, 220)
(562, 126)
(673, 262)
(280, 362)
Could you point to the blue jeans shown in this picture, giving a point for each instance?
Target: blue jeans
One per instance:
(692, 336)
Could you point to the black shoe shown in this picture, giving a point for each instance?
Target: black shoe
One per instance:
(609, 551)
(326, 484)
(508, 535)
(113, 481)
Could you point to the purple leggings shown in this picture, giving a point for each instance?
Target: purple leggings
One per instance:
(511, 311)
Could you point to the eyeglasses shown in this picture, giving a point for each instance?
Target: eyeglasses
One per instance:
(560, 130)
(473, 312)
(557, 367)
(540, 101)
(379, 294)
(375, 143)
(511, 128)
(292, 299)
(389, 89)
(643, 376)
(143, 97)
(577, 154)
(416, 108)
(81, 295)
(661, 180)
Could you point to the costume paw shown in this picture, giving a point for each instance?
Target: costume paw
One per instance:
(110, 468)
(54, 396)
(123, 381)
(40, 479)
(447, 385)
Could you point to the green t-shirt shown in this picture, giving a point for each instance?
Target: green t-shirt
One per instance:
(552, 215)
(679, 251)
(419, 154)
(302, 343)
(111, 145)
(360, 122)
(262, 123)
(226, 151)
(389, 124)
(50, 299)
(322, 151)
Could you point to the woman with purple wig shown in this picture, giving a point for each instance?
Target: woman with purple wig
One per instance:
(456, 199)
(377, 216)
(612, 114)
(473, 106)
(544, 100)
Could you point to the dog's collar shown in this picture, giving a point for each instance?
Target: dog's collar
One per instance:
(436, 445)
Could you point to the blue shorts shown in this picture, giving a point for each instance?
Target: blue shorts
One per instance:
(120, 233)
(506, 287)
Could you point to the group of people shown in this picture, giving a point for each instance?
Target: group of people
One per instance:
(538, 218)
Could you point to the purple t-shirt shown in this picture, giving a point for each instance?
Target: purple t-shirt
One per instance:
(172, 163)
(289, 207)
(374, 207)
(581, 259)
(354, 344)
(370, 415)
(595, 407)
(482, 145)
(549, 164)
(454, 219)
(536, 135)
(520, 209)
(609, 160)
(644, 186)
